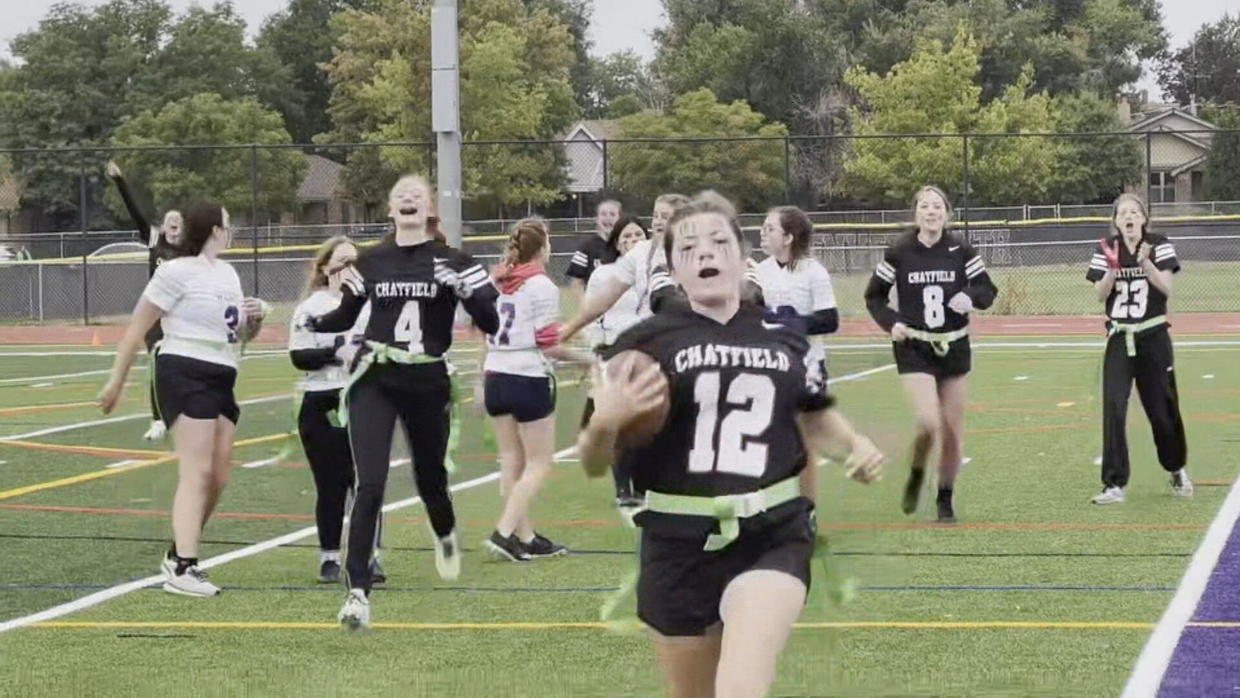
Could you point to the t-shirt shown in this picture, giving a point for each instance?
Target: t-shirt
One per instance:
(321, 302)
(201, 300)
(526, 316)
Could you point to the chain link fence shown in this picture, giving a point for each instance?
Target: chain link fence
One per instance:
(1034, 204)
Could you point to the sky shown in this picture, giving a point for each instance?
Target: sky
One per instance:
(617, 24)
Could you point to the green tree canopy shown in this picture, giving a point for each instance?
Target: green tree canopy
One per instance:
(750, 172)
(1208, 68)
(1222, 177)
(177, 176)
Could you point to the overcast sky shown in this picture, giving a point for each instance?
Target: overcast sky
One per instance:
(618, 24)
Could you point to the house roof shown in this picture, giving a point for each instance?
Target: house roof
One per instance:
(321, 181)
(1144, 122)
(595, 129)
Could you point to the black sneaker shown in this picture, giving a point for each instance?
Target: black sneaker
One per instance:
(377, 575)
(541, 546)
(506, 547)
(912, 489)
(947, 515)
(329, 572)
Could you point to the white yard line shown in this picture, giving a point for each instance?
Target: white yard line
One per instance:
(1147, 673)
(113, 420)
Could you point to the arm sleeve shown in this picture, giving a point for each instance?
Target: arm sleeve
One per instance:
(547, 315)
(165, 288)
(878, 291)
(1164, 257)
(135, 213)
(579, 265)
(978, 285)
(314, 359)
(342, 318)
(666, 297)
(1097, 265)
(481, 301)
(823, 321)
(815, 397)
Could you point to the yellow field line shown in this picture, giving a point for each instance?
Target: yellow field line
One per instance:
(96, 474)
(86, 450)
(569, 625)
(28, 409)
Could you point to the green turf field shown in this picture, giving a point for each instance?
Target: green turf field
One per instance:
(1036, 592)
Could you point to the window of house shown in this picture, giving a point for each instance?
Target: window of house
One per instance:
(1162, 187)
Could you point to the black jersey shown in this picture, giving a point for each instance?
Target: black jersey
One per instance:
(1134, 298)
(590, 255)
(410, 307)
(160, 250)
(926, 279)
(736, 390)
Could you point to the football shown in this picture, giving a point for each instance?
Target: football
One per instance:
(643, 428)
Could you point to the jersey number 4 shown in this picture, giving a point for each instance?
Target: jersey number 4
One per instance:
(1131, 299)
(409, 326)
(751, 398)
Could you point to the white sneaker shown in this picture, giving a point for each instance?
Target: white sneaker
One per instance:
(191, 582)
(168, 567)
(355, 613)
(447, 556)
(1181, 486)
(1109, 495)
(157, 431)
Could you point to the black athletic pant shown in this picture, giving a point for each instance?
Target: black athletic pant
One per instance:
(152, 337)
(621, 468)
(1155, 377)
(420, 394)
(331, 462)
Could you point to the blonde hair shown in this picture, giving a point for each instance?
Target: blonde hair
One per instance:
(673, 200)
(432, 221)
(1135, 198)
(528, 237)
(947, 203)
(322, 255)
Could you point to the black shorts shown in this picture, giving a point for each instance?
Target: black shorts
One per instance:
(916, 356)
(194, 388)
(524, 398)
(681, 585)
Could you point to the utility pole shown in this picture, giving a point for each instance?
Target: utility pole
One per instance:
(446, 114)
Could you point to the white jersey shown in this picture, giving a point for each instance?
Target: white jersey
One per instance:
(644, 270)
(805, 287)
(625, 313)
(533, 309)
(321, 302)
(201, 300)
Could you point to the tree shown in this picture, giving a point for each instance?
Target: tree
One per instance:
(1208, 69)
(620, 84)
(1222, 177)
(936, 92)
(1093, 168)
(176, 176)
(750, 172)
(777, 55)
(301, 37)
(575, 15)
(515, 85)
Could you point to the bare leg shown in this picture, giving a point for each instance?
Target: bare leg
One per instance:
(194, 442)
(689, 663)
(758, 610)
(923, 396)
(953, 393)
(511, 463)
(221, 463)
(538, 444)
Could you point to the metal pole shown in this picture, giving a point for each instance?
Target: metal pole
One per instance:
(446, 114)
(787, 171)
(964, 215)
(83, 220)
(254, 211)
(605, 177)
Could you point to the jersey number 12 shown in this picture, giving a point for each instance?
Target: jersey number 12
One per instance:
(409, 326)
(752, 397)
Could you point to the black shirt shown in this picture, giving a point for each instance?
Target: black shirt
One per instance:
(409, 309)
(736, 390)
(162, 250)
(590, 255)
(926, 279)
(1134, 298)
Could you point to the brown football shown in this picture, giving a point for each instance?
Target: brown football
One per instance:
(643, 428)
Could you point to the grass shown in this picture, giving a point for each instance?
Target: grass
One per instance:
(1030, 548)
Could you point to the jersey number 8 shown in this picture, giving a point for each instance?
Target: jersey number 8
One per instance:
(734, 456)
(932, 301)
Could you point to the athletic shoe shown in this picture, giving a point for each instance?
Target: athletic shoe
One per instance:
(156, 431)
(447, 556)
(541, 546)
(377, 575)
(168, 566)
(329, 572)
(355, 613)
(191, 582)
(506, 547)
(912, 489)
(1181, 486)
(1109, 495)
(947, 514)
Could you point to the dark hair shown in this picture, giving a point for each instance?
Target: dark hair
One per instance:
(201, 219)
(796, 223)
(709, 201)
(613, 240)
(528, 237)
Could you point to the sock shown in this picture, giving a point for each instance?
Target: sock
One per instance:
(945, 494)
(184, 563)
(332, 555)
